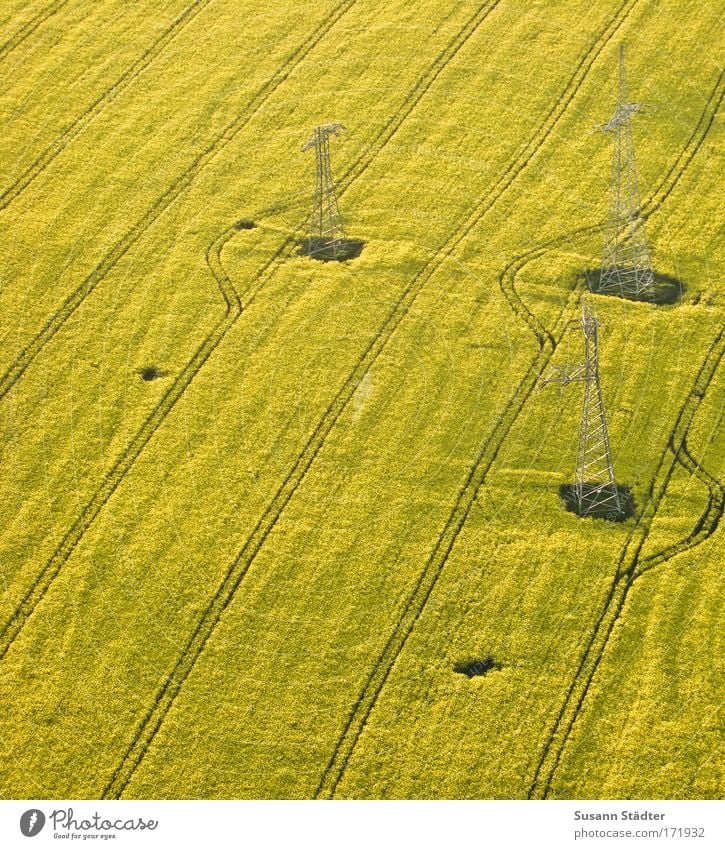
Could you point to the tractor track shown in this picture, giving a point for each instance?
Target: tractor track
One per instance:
(414, 96)
(705, 527)
(377, 144)
(66, 136)
(487, 454)
(649, 206)
(627, 573)
(708, 522)
(415, 603)
(236, 572)
(225, 592)
(29, 28)
(355, 170)
(175, 190)
(124, 463)
(233, 310)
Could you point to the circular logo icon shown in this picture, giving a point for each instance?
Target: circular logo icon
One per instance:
(32, 822)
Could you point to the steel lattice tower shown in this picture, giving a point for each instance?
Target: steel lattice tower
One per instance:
(595, 487)
(626, 265)
(326, 230)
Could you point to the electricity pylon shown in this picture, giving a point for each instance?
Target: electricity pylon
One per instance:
(595, 488)
(626, 265)
(326, 231)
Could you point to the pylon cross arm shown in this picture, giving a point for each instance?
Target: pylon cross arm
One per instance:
(564, 375)
(322, 133)
(624, 113)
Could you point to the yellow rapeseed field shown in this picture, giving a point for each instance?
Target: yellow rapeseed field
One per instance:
(256, 508)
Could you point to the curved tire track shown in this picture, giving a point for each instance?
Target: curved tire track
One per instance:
(122, 465)
(416, 601)
(175, 190)
(708, 522)
(627, 573)
(63, 139)
(593, 653)
(234, 308)
(378, 142)
(487, 454)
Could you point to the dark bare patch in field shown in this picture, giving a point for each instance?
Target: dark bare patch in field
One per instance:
(472, 668)
(150, 373)
(245, 224)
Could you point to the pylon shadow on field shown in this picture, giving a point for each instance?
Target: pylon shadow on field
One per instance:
(331, 250)
(587, 508)
(667, 290)
(472, 668)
